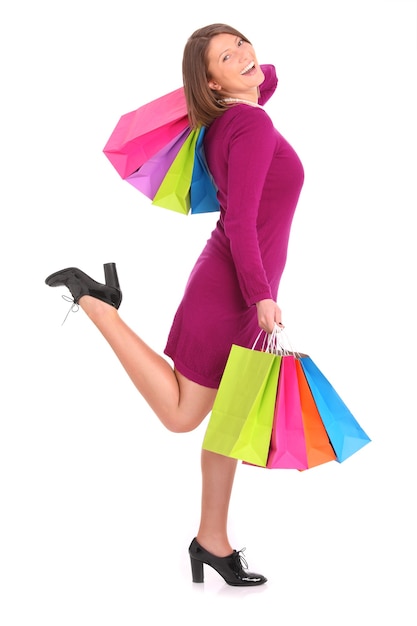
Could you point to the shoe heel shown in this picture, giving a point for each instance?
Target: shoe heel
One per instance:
(197, 570)
(110, 274)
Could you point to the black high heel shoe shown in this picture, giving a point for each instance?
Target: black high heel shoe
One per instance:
(229, 567)
(79, 284)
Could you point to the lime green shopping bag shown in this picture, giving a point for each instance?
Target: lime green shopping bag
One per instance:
(240, 423)
(174, 190)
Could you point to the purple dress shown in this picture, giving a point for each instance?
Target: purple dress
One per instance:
(259, 178)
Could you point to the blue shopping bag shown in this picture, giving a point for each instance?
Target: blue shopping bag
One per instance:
(343, 430)
(203, 192)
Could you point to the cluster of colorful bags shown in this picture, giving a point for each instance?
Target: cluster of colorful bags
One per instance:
(275, 409)
(154, 149)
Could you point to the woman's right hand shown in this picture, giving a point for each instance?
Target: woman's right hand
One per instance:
(269, 314)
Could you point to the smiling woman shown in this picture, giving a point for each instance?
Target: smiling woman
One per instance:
(227, 68)
(233, 68)
(232, 289)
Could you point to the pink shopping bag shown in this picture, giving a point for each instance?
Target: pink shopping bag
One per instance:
(141, 133)
(288, 444)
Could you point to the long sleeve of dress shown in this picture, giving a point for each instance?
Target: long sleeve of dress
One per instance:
(268, 87)
(251, 143)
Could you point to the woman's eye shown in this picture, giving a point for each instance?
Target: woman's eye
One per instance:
(240, 42)
(226, 57)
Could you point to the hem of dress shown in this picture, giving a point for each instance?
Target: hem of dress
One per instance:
(191, 375)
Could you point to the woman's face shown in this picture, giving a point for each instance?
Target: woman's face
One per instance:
(233, 68)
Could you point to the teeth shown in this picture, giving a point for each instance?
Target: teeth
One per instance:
(248, 67)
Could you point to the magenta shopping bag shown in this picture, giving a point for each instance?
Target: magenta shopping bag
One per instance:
(288, 444)
(141, 133)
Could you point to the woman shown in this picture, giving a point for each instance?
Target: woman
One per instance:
(233, 287)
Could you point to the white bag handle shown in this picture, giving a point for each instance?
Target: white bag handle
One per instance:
(276, 342)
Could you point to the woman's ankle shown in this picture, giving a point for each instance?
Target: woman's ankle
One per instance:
(96, 308)
(219, 546)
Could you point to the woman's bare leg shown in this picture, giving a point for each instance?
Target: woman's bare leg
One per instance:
(218, 474)
(180, 404)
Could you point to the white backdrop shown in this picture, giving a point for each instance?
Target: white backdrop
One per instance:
(98, 501)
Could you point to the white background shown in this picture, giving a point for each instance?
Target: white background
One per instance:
(98, 501)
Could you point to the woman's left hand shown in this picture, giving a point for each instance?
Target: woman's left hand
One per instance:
(269, 314)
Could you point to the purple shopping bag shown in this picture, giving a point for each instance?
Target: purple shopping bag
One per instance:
(148, 178)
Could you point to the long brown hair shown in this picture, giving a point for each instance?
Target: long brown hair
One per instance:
(202, 105)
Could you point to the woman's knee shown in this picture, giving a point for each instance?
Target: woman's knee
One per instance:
(182, 424)
(181, 428)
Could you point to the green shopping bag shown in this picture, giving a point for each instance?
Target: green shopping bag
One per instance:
(174, 191)
(240, 423)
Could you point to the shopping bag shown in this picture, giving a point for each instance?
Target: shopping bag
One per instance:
(174, 190)
(203, 191)
(288, 444)
(318, 446)
(298, 439)
(240, 423)
(148, 178)
(343, 430)
(141, 133)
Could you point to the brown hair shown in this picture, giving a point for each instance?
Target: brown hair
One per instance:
(202, 105)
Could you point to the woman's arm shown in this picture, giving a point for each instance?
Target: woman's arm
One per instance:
(268, 87)
(251, 147)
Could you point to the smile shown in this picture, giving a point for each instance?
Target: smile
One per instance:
(249, 67)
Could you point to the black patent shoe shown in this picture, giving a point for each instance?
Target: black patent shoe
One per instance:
(79, 284)
(229, 567)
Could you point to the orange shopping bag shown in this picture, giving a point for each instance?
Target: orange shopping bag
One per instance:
(318, 446)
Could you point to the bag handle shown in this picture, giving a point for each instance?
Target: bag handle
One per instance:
(270, 342)
(276, 342)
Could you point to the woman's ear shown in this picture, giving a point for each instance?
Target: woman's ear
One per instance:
(214, 86)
